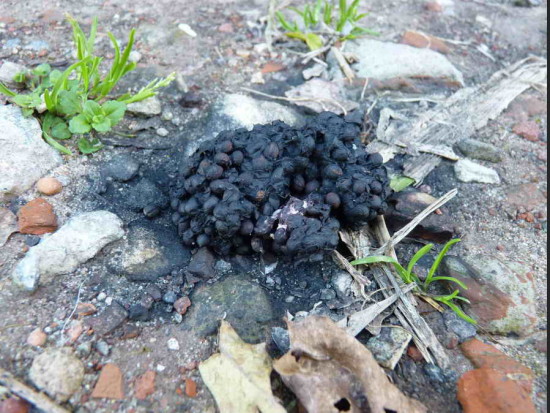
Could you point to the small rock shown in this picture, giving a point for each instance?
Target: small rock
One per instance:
(8, 225)
(173, 344)
(281, 338)
(487, 356)
(528, 130)
(109, 320)
(464, 330)
(154, 292)
(424, 41)
(148, 107)
(328, 294)
(272, 67)
(482, 151)
(502, 294)
(37, 338)
(74, 331)
(49, 186)
(342, 283)
(406, 205)
(190, 388)
(101, 296)
(202, 264)
(241, 302)
(37, 218)
(130, 332)
(389, 346)
(149, 252)
(103, 348)
(145, 385)
(526, 196)
(316, 70)
(486, 390)
(58, 373)
(110, 384)
(434, 7)
(383, 61)
(185, 28)
(143, 194)
(138, 312)
(182, 305)
(226, 28)
(542, 345)
(84, 349)
(223, 267)
(79, 240)
(435, 374)
(85, 309)
(25, 156)
(8, 71)
(415, 354)
(14, 405)
(135, 56)
(468, 171)
(163, 132)
(170, 297)
(122, 168)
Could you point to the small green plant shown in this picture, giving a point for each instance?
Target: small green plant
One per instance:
(76, 101)
(323, 18)
(423, 287)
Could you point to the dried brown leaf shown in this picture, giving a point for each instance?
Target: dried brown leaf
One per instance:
(330, 372)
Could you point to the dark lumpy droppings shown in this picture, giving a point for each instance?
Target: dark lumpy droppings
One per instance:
(279, 188)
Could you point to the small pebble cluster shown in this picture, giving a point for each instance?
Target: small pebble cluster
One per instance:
(279, 188)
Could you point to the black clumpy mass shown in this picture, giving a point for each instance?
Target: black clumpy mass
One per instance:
(279, 188)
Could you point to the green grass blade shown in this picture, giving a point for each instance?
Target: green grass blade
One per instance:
(56, 145)
(439, 259)
(91, 39)
(459, 312)
(451, 279)
(418, 256)
(5, 91)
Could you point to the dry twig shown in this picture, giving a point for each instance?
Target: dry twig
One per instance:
(39, 400)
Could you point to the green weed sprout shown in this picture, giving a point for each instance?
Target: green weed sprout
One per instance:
(423, 287)
(76, 101)
(324, 18)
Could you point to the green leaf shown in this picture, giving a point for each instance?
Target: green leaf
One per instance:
(5, 91)
(42, 70)
(314, 42)
(28, 101)
(399, 183)
(56, 145)
(60, 130)
(88, 147)
(114, 111)
(20, 77)
(102, 126)
(55, 75)
(79, 125)
(68, 103)
(91, 109)
(439, 259)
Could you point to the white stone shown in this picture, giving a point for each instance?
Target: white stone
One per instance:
(25, 157)
(187, 29)
(76, 242)
(234, 111)
(384, 60)
(135, 56)
(468, 171)
(163, 132)
(58, 372)
(147, 107)
(173, 344)
(8, 71)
